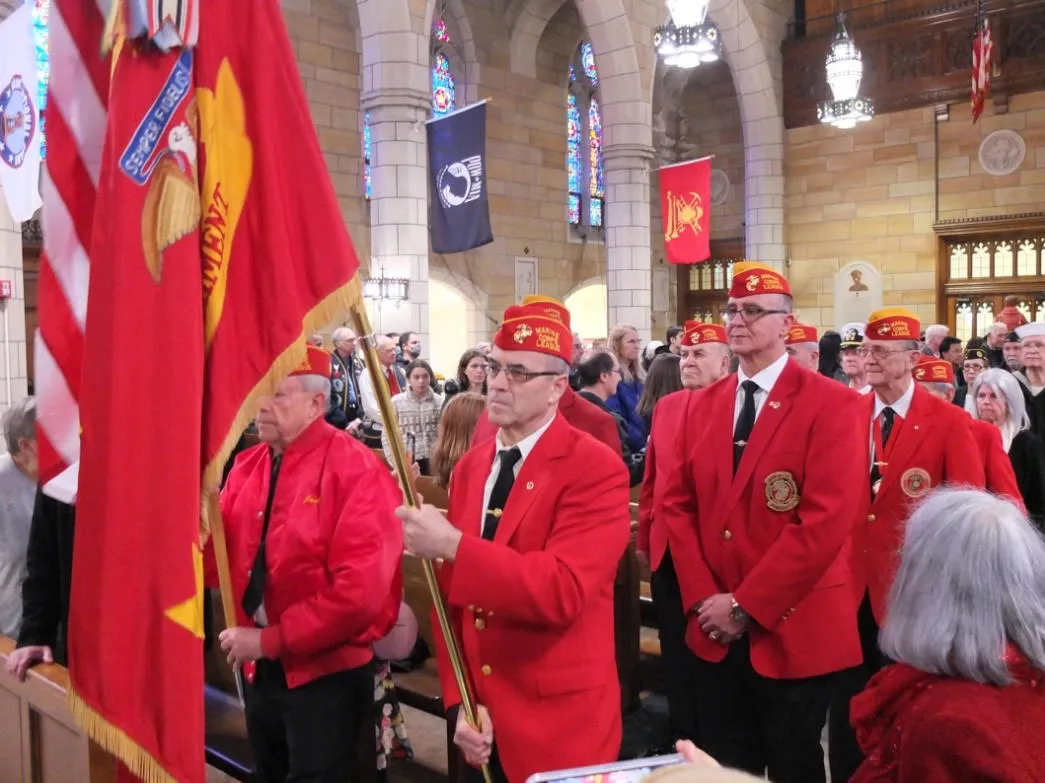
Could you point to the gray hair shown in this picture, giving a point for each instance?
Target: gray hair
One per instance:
(936, 330)
(971, 579)
(559, 365)
(1004, 385)
(342, 333)
(999, 327)
(19, 423)
(316, 384)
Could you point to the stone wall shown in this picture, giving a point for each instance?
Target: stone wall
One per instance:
(867, 195)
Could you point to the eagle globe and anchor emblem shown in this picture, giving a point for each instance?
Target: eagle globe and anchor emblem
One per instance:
(17, 122)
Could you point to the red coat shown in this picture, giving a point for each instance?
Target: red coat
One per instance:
(932, 446)
(1000, 477)
(333, 550)
(788, 568)
(533, 609)
(579, 414)
(919, 728)
(653, 533)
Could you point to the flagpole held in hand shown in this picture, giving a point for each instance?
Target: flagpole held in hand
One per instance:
(401, 462)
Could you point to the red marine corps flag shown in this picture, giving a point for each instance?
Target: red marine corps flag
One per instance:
(685, 208)
(982, 54)
(216, 245)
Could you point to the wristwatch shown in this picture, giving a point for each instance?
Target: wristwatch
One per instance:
(737, 613)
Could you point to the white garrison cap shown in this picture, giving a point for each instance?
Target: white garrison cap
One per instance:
(1036, 329)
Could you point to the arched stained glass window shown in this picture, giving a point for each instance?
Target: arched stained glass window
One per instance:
(41, 14)
(586, 181)
(439, 32)
(444, 89)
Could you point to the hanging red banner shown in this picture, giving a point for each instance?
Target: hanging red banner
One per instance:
(685, 208)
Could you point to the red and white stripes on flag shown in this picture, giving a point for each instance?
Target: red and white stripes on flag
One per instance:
(75, 113)
(982, 52)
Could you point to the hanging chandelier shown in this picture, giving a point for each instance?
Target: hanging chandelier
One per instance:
(689, 38)
(845, 70)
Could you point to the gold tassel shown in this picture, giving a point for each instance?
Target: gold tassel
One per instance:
(138, 760)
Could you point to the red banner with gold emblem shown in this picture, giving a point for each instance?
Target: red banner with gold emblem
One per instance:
(685, 208)
(278, 263)
(135, 618)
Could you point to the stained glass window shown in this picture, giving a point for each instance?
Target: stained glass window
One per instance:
(41, 14)
(366, 155)
(439, 31)
(586, 185)
(574, 159)
(444, 98)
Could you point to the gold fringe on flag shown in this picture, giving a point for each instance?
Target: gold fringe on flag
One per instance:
(115, 741)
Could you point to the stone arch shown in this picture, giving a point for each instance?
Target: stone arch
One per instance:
(466, 66)
(625, 110)
(477, 325)
(757, 79)
(588, 313)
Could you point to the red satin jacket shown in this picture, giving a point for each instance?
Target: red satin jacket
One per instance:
(1001, 480)
(333, 550)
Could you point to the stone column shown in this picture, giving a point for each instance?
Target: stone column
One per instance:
(399, 203)
(628, 255)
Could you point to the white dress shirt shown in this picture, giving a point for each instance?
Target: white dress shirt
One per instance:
(525, 446)
(900, 408)
(766, 380)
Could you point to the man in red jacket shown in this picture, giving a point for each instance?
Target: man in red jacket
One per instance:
(538, 520)
(768, 483)
(917, 442)
(314, 553)
(705, 360)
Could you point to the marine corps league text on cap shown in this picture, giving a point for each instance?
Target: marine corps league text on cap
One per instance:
(539, 327)
(700, 333)
(801, 333)
(751, 278)
(934, 370)
(892, 323)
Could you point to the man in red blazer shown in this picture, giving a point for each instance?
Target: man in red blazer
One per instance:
(705, 360)
(936, 376)
(538, 520)
(768, 482)
(917, 442)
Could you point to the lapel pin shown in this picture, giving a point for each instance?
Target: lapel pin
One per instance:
(774, 405)
(916, 428)
(529, 485)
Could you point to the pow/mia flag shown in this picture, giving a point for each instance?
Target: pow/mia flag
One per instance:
(458, 205)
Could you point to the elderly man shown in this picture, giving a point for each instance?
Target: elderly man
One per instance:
(768, 485)
(1032, 374)
(1011, 352)
(934, 338)
(853, 365)
(917, 442)
(705, 360)
(314, 553)
(345, 369)
(395, 379)
(803, 346)
(17, 492)
(538, 520)
(974, 362)
(994, 344)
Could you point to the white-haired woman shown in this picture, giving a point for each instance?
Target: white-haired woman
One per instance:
(999, 401)
(966, 625)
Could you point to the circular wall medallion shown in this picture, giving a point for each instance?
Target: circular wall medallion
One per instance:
(1001, 152)
(719, 187)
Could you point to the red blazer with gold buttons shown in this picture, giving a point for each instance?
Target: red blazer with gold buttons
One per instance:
(999, 475)
(653, 534)
(533, 609)
(934, 445)
(775, 534)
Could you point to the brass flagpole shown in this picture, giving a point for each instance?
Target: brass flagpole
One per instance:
(411, 498)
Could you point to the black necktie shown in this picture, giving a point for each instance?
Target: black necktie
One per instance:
(501, 489)
(888, 416)
(745, 423)
(254, 595)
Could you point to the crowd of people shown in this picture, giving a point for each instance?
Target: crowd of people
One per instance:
(841, 531)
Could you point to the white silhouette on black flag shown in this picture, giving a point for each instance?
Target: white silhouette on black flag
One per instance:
(458, 205)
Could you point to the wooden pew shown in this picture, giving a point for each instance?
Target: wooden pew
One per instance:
(39, 740)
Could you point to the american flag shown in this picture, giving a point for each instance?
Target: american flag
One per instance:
(982, 51)
(76, 109)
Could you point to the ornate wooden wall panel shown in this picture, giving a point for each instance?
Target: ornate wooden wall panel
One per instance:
(915, 58)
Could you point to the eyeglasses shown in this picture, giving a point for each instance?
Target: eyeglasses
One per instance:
(749, 313)
(878, 352)
(515, 373)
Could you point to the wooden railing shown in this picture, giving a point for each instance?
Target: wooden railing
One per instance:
(39, 740)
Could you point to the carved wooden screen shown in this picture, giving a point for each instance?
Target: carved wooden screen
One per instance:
(704, 288)
(978, 272)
